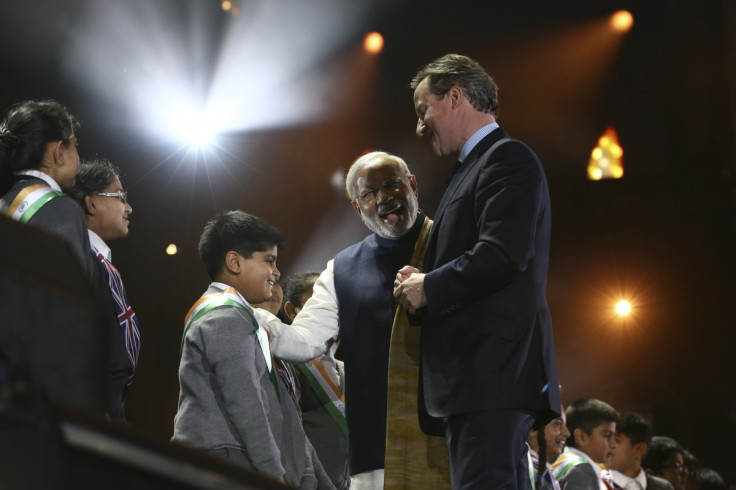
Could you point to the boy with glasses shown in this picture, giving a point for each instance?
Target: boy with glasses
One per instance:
(666, 459)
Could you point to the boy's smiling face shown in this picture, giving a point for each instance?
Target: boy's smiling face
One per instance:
(258, 274)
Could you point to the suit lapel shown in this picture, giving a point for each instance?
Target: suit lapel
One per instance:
(465, 168)
(457, 179)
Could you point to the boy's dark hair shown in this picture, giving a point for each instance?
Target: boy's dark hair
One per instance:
(711, 480)
(635, 427)
(238, 231)
(297, 284)
(93, 176)
(587, 414)
(660, 450)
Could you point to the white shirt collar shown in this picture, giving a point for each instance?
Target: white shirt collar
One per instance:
(642, 478)
(40, 175)
(622, 480)
(475, 139)
(99, 245)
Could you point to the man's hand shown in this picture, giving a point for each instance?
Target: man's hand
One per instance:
(409, 289)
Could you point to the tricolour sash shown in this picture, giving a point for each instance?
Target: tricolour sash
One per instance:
(29, 200)
(230, 297)
(567, 461)
(327, 391)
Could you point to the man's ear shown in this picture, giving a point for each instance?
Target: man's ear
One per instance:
(639, 450)
(232, 262)
(456, 95)
(356, 208)
(89, 206)
(413, 183)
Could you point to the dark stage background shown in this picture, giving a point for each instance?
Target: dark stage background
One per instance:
(662, 236)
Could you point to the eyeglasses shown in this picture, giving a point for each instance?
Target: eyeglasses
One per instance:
(122, 195)
(676, 467)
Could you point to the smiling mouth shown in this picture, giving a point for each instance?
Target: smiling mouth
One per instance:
(385, 214)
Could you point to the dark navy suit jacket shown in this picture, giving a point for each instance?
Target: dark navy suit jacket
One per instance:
(486, 331)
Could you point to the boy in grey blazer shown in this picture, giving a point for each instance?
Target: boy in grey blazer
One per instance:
(230, 401)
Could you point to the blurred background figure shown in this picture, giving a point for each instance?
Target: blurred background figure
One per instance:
(319, 390)
(545, 446)
(633, 437)
(665, 458)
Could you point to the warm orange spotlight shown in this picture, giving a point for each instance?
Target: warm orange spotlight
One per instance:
(623, 308)
(373, 43)
(607, 158)
(171, 249)
(622, 21)
(226, 5)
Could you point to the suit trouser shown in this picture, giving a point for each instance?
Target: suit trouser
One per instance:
(488, 449)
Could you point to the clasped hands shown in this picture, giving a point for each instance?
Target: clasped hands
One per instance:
(409, 289)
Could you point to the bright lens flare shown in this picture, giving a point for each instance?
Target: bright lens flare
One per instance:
(622, 21)
(623, 308)
(193, 130)
(373, 43)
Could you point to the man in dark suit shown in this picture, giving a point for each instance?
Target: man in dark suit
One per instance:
(488, 363)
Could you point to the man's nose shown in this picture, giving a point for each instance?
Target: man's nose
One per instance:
(420, 127)
(383, 195)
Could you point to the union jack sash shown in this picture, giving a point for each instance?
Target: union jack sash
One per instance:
(126, 316)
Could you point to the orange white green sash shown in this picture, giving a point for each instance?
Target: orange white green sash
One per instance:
(228, 297)
(567, 461)
(327, 391)
(29, 200)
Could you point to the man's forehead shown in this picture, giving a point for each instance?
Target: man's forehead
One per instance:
(384, 169)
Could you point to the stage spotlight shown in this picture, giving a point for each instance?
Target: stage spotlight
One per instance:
(606, 159)
(230, 7)
(373, 43)
(193, 130)
(171, 249)
(623, 308)
(622, 21)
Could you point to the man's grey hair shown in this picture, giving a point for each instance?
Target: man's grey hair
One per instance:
(368, 159)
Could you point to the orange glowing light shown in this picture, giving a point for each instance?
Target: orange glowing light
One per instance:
(622, 21)
(607, 158)
(226, 5)
(373, 43)
(623, 308)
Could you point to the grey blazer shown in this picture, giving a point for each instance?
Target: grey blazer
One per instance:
(229, 405)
